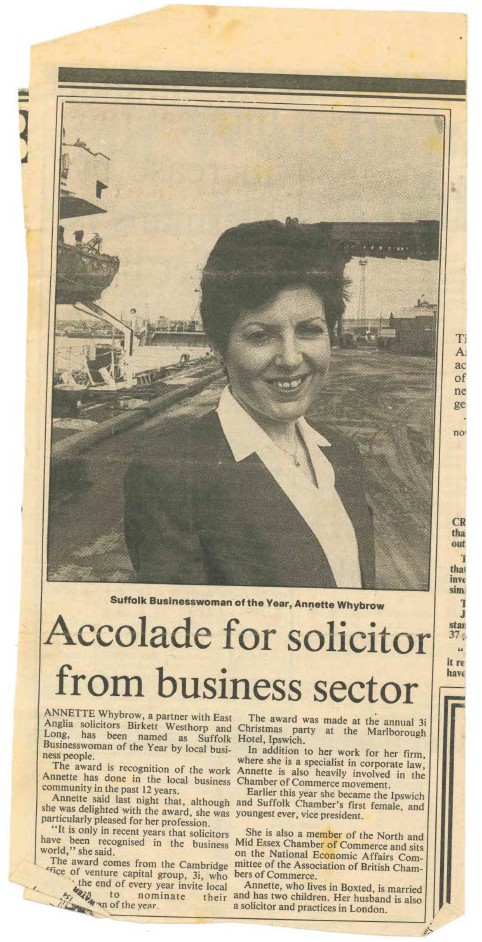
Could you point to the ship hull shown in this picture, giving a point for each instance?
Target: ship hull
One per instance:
(82, 275)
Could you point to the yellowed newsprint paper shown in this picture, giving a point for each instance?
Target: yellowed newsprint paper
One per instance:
(240, 694)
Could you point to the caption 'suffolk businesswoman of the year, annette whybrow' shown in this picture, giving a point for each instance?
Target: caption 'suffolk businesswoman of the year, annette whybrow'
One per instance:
(251, 494)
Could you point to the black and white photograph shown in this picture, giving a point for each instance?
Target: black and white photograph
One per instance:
(244, 354)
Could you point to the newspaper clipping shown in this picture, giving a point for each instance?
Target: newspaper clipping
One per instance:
(241, 665)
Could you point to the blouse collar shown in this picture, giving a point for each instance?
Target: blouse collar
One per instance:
(245, 436)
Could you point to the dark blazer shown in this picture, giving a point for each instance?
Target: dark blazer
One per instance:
(193, 515)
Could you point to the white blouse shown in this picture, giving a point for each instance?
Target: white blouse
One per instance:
(320, 506)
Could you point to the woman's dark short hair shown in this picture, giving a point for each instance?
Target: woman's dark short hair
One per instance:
(251, 263)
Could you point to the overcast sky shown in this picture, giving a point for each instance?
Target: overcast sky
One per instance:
(179, 176)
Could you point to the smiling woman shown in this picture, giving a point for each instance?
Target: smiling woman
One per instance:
(251, 494)
(276, 358)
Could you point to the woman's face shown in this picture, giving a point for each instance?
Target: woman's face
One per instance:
(278, 355)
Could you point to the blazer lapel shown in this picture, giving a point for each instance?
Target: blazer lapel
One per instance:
(252, 529)
(252, 533)
(349, 484)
